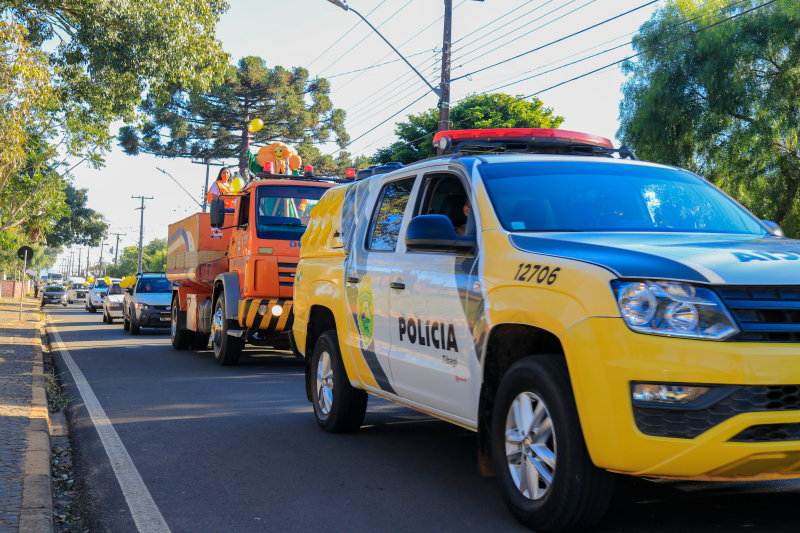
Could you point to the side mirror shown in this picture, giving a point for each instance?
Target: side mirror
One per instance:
(435, 233)
(217, 213)
(774, 228)
(129, 290)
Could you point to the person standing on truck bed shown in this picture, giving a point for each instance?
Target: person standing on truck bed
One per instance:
(221, 185)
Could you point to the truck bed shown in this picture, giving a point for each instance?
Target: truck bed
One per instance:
(196, 251)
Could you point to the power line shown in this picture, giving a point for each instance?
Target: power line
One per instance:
(387, 120)
(345, 34)
(504, 28)
(661, 45)
(557, 40)
(523, 26)
(365, 38)
(498, 18)
(402, 45)
(600, 53)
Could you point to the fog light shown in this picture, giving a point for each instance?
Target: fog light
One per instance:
(262, 309)
(277, 310)
(656, 392)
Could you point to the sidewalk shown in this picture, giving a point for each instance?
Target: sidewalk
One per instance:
(26, 502)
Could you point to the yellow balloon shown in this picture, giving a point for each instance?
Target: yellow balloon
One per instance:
(256, 124)
(107, 280)
(237, 184)
(127, 281)
(90, 279)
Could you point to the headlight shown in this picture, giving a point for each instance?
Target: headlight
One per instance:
(673, 309)
(141, 306)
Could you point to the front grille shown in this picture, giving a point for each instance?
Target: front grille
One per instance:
(764, 314)
(161, 307)
(769, 433)
(688, 424)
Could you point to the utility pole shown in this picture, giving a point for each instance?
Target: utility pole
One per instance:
(116, 248)
(444, 87)
(89, 249)
(141, 227)
(79, 263)
(102, 270)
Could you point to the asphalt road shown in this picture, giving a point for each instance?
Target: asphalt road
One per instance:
(236, 449)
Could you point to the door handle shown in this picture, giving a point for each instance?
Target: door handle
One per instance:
(397, 285)
(352, 279)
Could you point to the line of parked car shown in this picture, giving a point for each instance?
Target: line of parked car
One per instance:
(145, 304)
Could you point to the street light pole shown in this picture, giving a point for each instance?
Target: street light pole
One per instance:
(343, 5)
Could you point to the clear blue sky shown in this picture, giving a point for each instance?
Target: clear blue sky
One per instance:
(295, 33)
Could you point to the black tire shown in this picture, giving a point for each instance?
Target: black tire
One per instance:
(349, 405)
(91, 308)
(180, 336)
(134, 328)
(109, 319)
(227, 348)
(580, 492)
(126, 325)
(105, 317)
(200, 341)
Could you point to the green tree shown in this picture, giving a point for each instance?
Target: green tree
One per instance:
(110, 53)
(44, 257)
(81, 225)
(474, 112)
(154, 256)
(724, 103)
(205, 125)
(127, 264)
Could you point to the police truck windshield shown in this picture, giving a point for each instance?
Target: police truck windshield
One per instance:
(284, 212)
(593, 196)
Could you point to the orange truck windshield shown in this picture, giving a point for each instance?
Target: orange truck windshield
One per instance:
(284, 211)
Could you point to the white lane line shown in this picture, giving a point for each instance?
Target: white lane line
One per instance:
(145, 512)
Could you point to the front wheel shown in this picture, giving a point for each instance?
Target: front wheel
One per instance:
(543, 467)
(91, 308)
(134, 327)
(105, 317)
(338, 406)
(126, 324)
(227, 348)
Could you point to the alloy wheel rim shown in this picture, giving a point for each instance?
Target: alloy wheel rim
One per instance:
(324, 383)
(174, 327)
(216, 330)
(530, 445)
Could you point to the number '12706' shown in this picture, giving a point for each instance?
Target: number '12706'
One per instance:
(528, 272)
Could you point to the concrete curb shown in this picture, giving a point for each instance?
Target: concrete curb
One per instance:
(36, 514)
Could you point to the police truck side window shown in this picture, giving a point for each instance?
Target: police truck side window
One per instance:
(386, 221)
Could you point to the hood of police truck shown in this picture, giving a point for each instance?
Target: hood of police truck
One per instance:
(699, 257)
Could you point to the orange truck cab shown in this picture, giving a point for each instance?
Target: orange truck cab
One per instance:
(233, 269)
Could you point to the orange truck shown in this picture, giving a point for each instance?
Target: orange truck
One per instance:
(233, 269)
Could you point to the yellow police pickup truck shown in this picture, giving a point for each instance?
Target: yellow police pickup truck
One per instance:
(583, 312)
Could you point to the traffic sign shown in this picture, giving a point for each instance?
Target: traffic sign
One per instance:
(25, 253)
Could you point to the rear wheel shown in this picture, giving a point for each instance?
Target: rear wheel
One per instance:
(181, 337)
(338, 406)
(543, 467)
(227, 348)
